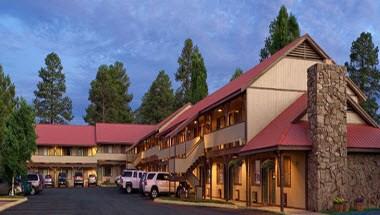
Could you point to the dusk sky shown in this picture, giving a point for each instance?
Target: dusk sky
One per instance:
(148, 36)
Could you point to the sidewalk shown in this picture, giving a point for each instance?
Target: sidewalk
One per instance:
(7, 202)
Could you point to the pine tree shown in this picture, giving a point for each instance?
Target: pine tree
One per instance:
(19, 141)
(183, 74)
(109, 97)
(238, 72)
(282, 31)
(198, 87)
(51, 105)
(158, 102)
(7, 99)
(364, 72)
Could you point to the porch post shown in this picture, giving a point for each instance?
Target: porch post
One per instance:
(247, 181)
(210, 167)
(281, 180)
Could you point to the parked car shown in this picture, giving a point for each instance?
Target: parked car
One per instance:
(48, 181)
(92, 180)
(21, 186)
(130, 180)
(62, 179)
(78, 179)
(37, 182)
(157, 183)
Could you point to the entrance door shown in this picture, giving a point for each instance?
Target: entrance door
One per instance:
(269, 182)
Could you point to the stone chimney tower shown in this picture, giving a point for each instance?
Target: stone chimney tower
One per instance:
(327, 162)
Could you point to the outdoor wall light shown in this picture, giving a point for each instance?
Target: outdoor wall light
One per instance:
(220, 110)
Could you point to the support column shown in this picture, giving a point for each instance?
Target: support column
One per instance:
(210, 167)
(281, 159)
(247, 182)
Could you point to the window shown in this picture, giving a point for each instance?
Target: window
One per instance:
(220, 122)
(287, 172)
(151, 176)
(80, 152)
(107, 171)
(127, 174)
(219, 174)
(237, 175)
(135, 174)
(161, 176)
(66, 151)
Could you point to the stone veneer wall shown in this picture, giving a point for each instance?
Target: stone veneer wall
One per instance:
(363, 178)
(327, 121)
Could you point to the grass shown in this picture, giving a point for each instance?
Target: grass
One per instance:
(354, 212)
(196, 201)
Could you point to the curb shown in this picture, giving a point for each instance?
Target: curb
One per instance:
(12, 203)
(198, 204)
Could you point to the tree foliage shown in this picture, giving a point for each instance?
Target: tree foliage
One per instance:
(187, 74)
(198, 87)
(52, 106)
(238, 72)
(158, 102)
(282, 31)
(183, 74)
(109, 96)
(364, 72)
(19, 140)
(7, 99)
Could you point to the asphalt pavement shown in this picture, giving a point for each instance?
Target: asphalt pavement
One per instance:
(98, 200)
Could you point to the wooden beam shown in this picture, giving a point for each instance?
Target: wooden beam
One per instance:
(281, 180)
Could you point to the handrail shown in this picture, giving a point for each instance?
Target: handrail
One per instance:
(194, 147)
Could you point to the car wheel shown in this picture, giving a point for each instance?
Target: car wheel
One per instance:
(129, 189)
(154, 193)
(33, 191)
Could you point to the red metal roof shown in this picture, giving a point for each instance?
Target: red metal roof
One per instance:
(234, 86)
(121, 133)
(285, 131)
(65, 135)
(363, 136)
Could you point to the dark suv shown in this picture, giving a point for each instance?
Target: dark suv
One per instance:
(62, 179)
(78, 179)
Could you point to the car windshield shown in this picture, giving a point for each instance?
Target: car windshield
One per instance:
(127, 174)
(151, 176)
(32, 177)
(62, 175)
(91, 175)
(48, 176)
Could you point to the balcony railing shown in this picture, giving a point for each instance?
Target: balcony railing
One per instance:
(63, 159)
(226, 135)
(181, 165)
(111, 156)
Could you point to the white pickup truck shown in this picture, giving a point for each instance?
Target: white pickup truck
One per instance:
(130, 180)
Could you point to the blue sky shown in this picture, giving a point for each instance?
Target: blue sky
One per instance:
(148, 37)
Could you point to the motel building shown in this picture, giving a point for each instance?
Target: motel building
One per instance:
(287, 133)
(98, 150)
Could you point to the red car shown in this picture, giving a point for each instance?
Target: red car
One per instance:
(78, 179)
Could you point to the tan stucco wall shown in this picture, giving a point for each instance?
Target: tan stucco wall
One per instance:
(296, 192)
(352, 118)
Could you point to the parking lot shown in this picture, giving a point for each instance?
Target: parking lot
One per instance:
(106, 201)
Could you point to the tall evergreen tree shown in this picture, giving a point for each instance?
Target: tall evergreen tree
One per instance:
(238, 72)
(364, 72)
(282, 31)
(198, 87)
(51, 105)
(109, 97)
(158, 102)
(183, 74)
(7, 99)
(19, 141)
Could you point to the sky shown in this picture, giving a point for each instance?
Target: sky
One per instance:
(148, 36)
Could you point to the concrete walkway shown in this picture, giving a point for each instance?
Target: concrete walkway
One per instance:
(6, 203)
